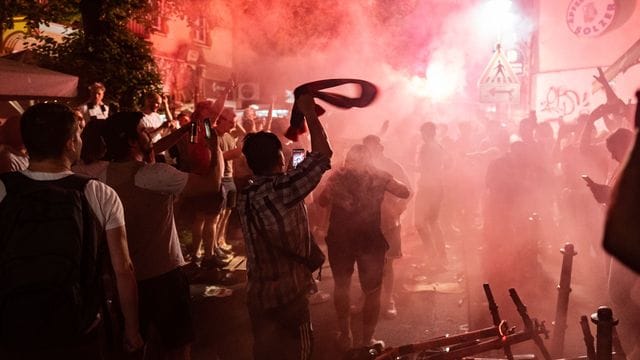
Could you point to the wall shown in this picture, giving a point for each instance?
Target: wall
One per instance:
(561, 49)
(564, 84)
(187, 65)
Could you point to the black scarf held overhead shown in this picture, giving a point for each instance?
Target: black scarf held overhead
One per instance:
(298, 126)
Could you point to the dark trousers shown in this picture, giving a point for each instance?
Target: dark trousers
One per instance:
(283, 332)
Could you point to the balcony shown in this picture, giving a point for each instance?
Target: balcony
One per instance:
(138, 29)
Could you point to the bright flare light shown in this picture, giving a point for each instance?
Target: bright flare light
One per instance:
(495, 18)
(443, 80)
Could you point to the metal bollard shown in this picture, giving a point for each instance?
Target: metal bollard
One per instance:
(562, 305)
(604, 323)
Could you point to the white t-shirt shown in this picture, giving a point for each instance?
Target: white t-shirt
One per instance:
(154, 121)
(100, 112)
(103, 200)
(158, 177)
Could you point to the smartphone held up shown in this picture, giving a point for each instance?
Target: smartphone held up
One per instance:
(207, 128)
(193, 133)
(297, 156)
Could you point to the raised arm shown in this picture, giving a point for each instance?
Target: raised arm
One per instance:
(612, 98)
(167, 109)
(168, 141)
(319, 140)
(218, 105)
(267, 124)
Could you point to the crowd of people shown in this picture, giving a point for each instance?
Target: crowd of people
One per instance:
(121, 191)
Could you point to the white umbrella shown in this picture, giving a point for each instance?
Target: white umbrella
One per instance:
(21, 81)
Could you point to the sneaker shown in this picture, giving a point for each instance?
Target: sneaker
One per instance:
(377, 345)
(391, 312)
(222, 255)
(224, 246)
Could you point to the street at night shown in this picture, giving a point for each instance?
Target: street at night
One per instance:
(319, 179)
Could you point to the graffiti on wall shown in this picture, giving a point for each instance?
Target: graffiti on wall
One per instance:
(563, 102)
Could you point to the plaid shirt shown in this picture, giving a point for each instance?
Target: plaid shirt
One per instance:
(274, 224)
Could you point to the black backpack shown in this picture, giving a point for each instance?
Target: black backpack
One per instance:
(50, 289)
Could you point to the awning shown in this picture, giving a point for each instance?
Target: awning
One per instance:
(20, 81)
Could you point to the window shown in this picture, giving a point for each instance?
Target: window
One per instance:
(158, 23)
(200, 30)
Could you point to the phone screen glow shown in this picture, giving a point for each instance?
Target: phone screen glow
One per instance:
(297, 158)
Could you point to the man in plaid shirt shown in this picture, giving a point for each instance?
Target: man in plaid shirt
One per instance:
(276, 231)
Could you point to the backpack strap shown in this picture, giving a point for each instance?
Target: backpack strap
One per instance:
(75, 181)
(17, 182)
(12, 181)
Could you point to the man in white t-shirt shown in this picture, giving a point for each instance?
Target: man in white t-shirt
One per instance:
(154, 123)
(51, 135)
(148, 192)
(95, 109)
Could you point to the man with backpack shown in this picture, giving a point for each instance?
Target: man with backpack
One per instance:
(55, 230)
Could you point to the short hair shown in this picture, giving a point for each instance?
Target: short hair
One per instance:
(622, 138)
(227, 111)
(249, 125)
(202, 107)
(262, 151)
(46, 128)
(371, 139)
(97, 86)
(358, 154)
(120, 130)
(429, 128)
(152, 95)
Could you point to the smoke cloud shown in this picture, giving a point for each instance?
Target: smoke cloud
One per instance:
(423, 55)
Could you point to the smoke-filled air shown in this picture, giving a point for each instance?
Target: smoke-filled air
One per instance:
(320, 179)
(497, 190)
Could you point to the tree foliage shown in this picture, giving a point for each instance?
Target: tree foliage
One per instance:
(122, 61)
(101, 48)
